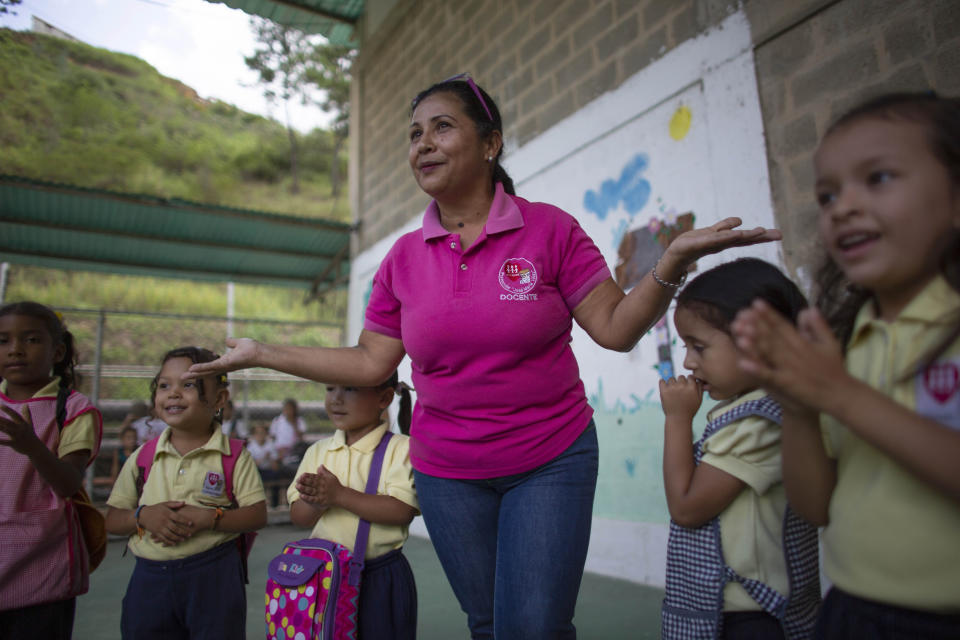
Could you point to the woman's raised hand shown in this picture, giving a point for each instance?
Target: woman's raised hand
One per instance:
(242, 355)
(696, 243)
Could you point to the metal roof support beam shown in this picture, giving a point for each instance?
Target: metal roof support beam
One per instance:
(320, 12)
(316, 292)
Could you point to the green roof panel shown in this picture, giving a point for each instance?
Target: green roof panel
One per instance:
(334, 19)
(63, 226)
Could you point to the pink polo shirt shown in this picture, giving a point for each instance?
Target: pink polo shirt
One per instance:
(488, 334)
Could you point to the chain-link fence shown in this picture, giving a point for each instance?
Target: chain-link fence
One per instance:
(119, 353)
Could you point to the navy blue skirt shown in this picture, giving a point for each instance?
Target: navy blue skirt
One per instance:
(201, 597)
(388, 599)
(844, 616)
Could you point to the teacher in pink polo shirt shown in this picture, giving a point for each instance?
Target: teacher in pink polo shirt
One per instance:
(482, 298)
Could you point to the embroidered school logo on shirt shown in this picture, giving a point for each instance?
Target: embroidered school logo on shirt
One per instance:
(938, 393)
(213, 484)
(518, 276)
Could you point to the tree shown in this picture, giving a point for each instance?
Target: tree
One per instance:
(282, 60)
(6, 4)
(331, 74)
(293, 65)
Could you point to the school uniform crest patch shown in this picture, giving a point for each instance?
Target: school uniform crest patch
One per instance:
(938, 392)
(213, 484)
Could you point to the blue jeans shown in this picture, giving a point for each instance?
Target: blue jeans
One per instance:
(513, 547)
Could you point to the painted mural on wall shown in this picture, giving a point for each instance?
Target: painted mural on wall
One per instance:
(633, 191)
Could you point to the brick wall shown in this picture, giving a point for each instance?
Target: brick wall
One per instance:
(541, 61)
(829, 60)
(544, 60)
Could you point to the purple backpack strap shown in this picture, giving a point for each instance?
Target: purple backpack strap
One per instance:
(363, 529)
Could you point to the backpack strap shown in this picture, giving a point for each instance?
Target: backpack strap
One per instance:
(244, 540)
(229, 463)
(144, 461)
(363, 529)
(149, 451)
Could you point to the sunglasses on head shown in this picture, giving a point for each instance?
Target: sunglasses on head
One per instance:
(473, 86)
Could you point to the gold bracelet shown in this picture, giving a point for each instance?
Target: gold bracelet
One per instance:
(664, 283)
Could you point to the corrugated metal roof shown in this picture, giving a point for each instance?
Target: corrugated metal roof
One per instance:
(334, 19)
(69, 227)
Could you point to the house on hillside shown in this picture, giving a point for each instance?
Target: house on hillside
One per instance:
(39, 25)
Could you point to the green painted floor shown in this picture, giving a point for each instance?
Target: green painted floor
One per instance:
(608, 609)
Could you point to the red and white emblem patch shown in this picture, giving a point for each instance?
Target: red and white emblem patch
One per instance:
(518, 275)
(213, 484)
(942, 380)
(937, 391)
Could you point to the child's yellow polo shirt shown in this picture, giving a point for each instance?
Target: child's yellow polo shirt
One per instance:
(891, 537)
(351, 465)
(79, 434)
(751, 527)
(176, 477)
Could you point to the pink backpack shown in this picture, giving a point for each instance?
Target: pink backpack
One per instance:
(313, 586)
(145, 459)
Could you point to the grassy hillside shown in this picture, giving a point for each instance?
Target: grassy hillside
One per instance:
(82, 115)
(87, 116)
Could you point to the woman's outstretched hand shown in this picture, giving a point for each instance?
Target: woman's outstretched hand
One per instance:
(242, 355)
(696, 243)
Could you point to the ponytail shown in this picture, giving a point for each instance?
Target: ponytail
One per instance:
(405, 412)
(500, 175)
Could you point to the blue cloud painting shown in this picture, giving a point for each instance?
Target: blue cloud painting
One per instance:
(632, 189)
